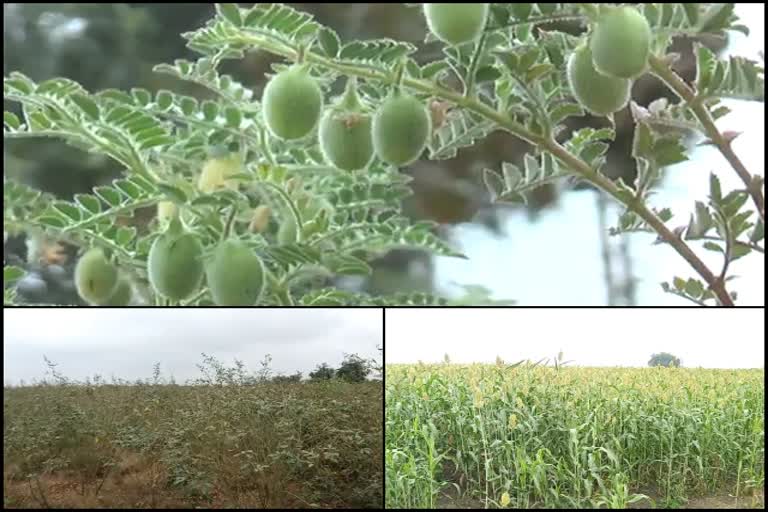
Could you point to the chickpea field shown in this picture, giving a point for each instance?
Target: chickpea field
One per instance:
(500, 436)
(272, 445)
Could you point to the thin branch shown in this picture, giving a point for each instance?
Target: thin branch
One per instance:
(474, 64)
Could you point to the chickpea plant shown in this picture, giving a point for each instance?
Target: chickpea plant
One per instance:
(268, 200)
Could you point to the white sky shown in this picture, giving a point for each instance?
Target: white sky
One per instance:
(127, 342)
(708, 337)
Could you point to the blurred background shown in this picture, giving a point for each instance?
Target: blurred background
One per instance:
(555, 251)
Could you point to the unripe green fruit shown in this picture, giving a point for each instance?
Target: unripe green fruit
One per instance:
(288, 231)
(401, 130)
(121, 296)
(456, 23)
(345, 139)
(175, 264)
(235, 275)
(621, 42)
(599, 94)
(95, 277)
(292, 104)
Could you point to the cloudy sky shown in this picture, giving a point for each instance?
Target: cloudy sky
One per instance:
(127, 342)
(708, 337)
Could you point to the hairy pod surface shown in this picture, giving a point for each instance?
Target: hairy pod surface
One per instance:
(597, 93)
(292, 104)
(175, 265)
(288, 232)
(345, 139)
(95, 276)
(235, 275)
(456, 23)
(621, 42)
(121, 297)
(401, 130)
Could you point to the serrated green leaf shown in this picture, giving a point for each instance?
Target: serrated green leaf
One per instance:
(86, 105)
(68, 210)
(124, 235)
(10, 119)
(715, 193)
(712, 246)
(329, 42)
(109, 195)
(758, 233)
(52, 221)
(175, 194)
(89, 203)
(231, 13)
(739, 251)
(694, 288)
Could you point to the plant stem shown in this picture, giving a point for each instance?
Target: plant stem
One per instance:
(672, 80)
(473, 66)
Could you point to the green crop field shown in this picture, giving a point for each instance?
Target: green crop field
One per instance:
(271, 445)
(498, 436)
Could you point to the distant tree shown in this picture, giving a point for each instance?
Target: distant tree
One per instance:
(282, 379)
(664, 359)
(353, 369)
(322, 372)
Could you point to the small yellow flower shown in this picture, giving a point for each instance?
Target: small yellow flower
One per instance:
(505, 499)
(512, 421)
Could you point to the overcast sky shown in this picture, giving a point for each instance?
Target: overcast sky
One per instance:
(708, 337)
(127, 342)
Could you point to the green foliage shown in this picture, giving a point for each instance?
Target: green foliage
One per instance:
(353, 369)
(527, 436)
(322, 372)
(508, 77)
(273, 439)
